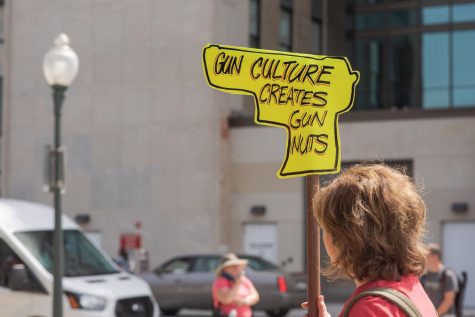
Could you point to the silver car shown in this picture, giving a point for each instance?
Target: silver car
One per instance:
(185, 282)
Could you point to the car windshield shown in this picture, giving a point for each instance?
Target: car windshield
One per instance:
(81, 257)
(259, 264)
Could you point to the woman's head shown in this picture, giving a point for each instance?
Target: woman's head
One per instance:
(373, 221)
(231, 264)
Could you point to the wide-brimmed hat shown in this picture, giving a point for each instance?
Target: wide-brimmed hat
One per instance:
(434, 248)
(229, 260)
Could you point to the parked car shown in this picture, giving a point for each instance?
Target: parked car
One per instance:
(185, 282)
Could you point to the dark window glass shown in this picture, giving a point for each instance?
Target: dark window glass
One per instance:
(316, 37)
(176, 266)
(435, 15)
(370, 20)
(205, 264)
(369, 1)
(402, 18)
(464, 68)
(463, 12)
(402, 81)
(285, 30)
(286, 4)
(254, 13)
(416, 57)
(8, 259)
(435, 70)
(81, 257)
(259, 264)
(2, 21)
(317, 9)
(369, 62)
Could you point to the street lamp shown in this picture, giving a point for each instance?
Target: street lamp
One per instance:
(60, 67)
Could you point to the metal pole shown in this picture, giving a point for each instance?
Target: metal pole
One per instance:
(58, 98)
(313, 248)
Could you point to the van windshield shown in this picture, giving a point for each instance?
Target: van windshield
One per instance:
(81, 257)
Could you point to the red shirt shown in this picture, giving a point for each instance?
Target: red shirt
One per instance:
(371, 306)
(243, 291)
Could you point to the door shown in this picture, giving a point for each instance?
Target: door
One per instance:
(457, 253)
(261, 239)
(168, 283)
(12, 303)
(199, 282)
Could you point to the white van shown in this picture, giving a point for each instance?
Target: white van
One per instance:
(93, 285)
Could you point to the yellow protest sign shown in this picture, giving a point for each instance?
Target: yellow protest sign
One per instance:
(302, 93)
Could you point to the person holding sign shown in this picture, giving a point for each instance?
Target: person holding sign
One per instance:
(373, 220)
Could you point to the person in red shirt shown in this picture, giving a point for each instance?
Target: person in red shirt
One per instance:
(233, 293)
(373, 220)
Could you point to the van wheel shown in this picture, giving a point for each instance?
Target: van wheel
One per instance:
(170, 312)
(277, 312)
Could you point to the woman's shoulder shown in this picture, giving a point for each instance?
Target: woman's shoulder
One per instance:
(221, 282)
(378, 306)
(372, 306)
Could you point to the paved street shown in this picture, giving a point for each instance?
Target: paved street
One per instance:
(333, 308)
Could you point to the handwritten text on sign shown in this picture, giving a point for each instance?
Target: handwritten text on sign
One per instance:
(303, 93)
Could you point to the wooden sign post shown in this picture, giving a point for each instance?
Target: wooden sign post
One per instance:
(304, 94)
(313, 247)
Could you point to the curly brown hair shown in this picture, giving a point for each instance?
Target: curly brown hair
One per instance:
(375, 219)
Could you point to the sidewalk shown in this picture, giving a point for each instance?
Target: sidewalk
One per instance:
(469, 312)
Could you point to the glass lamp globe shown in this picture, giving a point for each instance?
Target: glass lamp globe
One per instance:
(61, 64)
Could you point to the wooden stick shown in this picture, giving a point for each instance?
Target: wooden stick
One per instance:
(313, 248)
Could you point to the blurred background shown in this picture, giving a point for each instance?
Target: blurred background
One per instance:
(161, 165)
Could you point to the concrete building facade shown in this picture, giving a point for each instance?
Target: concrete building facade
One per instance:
(143, 131)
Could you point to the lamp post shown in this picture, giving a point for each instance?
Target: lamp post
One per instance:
(60, 67)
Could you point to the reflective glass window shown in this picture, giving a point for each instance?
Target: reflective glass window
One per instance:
(402, 18)
(435, 15)
(402, 77)
(370, 20)
(254, 23)
(205, 264)
(463, 68)
(369, 61)
(177, 266)
(81, 257)
(259, 264)
(285, 30)
(435, 70)
(463, 12)
(316, 37)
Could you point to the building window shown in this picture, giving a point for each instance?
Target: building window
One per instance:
(463, 68)
(316, 27)
(285, 26)
(435, 80)
(414, 56)
(464, 12)
(370, 20)
(370, 57)
(435, 15)
(254, 23)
